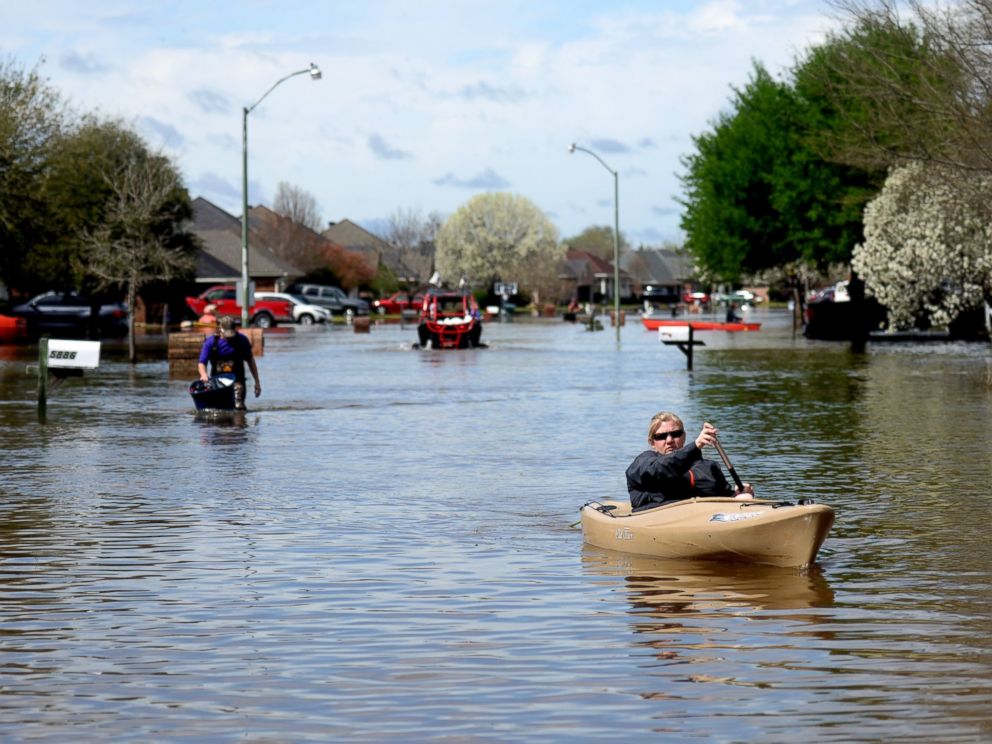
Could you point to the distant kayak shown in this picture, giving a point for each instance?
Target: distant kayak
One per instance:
(778, 533)
(653, 324)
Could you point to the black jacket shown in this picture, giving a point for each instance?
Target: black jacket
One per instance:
(654, 479)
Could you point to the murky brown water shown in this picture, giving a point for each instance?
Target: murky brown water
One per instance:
(381, 549)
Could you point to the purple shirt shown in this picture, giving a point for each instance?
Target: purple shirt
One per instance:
(233, 352)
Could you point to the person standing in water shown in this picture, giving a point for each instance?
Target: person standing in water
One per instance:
(227, 352)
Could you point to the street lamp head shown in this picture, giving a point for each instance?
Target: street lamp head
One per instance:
(314, 72)
(571, 148)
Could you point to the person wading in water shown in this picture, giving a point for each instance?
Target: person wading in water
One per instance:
(228, 351)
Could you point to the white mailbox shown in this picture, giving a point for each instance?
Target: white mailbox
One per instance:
(673, 334)
(66, 354)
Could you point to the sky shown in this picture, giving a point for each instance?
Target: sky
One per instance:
(422, 104)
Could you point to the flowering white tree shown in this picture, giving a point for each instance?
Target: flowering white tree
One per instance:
(927, 252)
(500, 236)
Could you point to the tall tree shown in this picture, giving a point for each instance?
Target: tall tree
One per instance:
(500, 236)
(32, 117)
(408, 229)
(730, 221)
(139, 240)
(759, 195)
(297, 205)
(78, 190)
(912, 83)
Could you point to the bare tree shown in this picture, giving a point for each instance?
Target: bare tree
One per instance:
(299, 245)
(413, 237)
(298, 205)
(136, 242)
(408, 229)
(913, 85)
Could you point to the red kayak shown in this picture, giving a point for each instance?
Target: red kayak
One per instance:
(653, 324)
(12, 329)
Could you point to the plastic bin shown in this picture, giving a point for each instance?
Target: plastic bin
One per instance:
(217, 393)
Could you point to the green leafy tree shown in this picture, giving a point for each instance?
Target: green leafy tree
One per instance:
(78, 189)
(501, 236)
(759, 192)
(32, 116)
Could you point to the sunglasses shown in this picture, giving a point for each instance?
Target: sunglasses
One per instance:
(661, 436)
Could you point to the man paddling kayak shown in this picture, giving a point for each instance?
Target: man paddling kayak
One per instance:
(672, 470)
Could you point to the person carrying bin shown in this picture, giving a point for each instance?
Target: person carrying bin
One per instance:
(228, 351)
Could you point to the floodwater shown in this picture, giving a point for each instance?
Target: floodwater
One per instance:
(383, 547)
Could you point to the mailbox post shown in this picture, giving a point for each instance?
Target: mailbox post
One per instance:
(64, 358)
(680, 336)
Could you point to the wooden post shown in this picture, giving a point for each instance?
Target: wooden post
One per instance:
(685, 345)
(42, 377)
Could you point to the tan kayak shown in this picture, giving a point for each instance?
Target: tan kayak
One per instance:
(778, 533)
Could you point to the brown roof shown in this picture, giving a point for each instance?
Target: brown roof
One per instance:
(220, 258)
(658, 266)
(416, 266)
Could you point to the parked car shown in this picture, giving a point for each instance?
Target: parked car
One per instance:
(333, 298)
(70, 314)
(834, 293)
(740, 296)
(261, 313)
(304, 312)
(700, 298)
(397, 302)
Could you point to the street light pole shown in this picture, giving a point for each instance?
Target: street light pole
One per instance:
(314, 73)
(616, 235)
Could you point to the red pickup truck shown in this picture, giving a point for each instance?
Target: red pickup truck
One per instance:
(398, 302)
(262, 313)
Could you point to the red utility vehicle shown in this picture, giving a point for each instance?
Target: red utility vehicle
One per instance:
(397, 302)
(449, 320)
(262, 313)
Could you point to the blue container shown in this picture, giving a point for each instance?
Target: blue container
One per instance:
(216, 394)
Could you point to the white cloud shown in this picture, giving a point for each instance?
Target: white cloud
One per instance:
(487, 94)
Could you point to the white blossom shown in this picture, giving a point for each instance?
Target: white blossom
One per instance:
(927, 253)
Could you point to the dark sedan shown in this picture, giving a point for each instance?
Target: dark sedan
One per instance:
(69, 314)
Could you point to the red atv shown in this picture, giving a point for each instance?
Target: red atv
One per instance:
(449, 320)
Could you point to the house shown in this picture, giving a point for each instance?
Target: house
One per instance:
(219, 261)
(586, 277)
(413, 266)
(658, 275)
(299, 245)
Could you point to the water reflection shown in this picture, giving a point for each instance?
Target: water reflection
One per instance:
(378, 549)
(669, 589)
